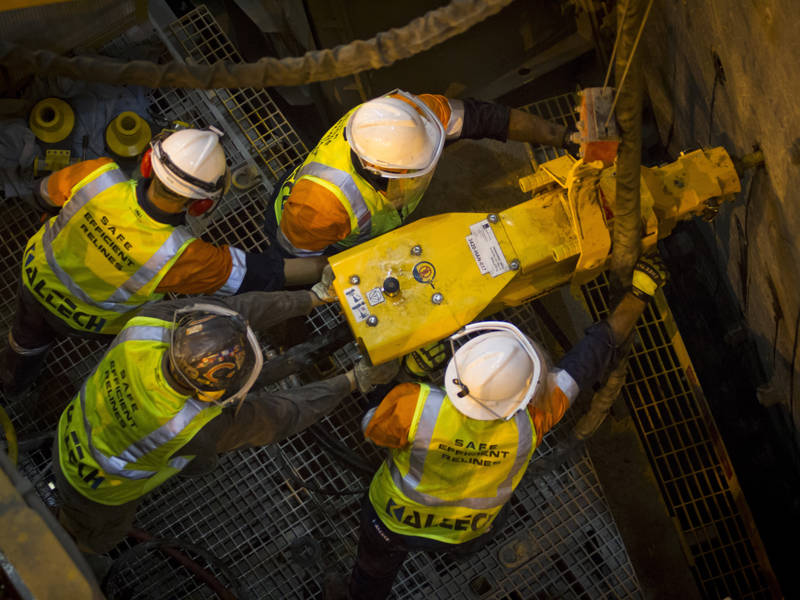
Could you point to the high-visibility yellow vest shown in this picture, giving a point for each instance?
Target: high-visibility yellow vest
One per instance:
(117, 437)
(102, 257)
(330, 165)
(456, 473)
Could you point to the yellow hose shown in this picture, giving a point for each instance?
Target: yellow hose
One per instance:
(11, 436)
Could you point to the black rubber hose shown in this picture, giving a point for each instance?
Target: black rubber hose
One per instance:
(387, 47)
(171, 546)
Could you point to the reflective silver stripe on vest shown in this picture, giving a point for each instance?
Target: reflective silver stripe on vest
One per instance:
(238, 269)
(291, 248)
(419, 453)
(115, 465)
(165, 433)
(170, 247)
(79, 199)
(345, 182)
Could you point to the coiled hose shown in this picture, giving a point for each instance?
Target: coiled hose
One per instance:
(422, 33)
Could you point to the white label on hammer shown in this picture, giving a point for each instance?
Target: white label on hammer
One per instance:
(356, 303)
(486, 249)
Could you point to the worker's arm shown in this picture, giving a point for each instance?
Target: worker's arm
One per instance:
(269, 417)
(53, 191)
(262, 310)
(264, 418)
(204, 268)
(388, 424)
(313, 218)
(477, 119)
(587, 361)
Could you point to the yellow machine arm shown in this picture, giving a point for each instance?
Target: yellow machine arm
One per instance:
(425, 280)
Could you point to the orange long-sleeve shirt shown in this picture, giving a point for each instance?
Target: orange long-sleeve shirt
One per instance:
(313, 218)
(203, 268)
(391, 423)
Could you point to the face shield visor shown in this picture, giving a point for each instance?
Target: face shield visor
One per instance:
(479, 388)
(235, 388)
(408, 190)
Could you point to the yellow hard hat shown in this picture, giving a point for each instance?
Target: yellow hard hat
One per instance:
(51, 120)
(128, 134)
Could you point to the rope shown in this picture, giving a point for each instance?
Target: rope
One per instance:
(630, 59)
(614, 50)
(387, 47)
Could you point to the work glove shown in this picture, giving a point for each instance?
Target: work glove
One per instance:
(649, 274)
(368, 376)
(324, 287)
(420, 363)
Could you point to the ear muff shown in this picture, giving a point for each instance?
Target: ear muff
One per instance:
(201, 206)
(146, 166)
(205, 206)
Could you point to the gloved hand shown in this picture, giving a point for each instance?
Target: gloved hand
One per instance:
(649, 274)
(420, 363)
(368, 376)
(324, 287)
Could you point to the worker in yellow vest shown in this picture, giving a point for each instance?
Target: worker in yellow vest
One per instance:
(371, 169)
(457, 454)
(170, 394)
(116, 244)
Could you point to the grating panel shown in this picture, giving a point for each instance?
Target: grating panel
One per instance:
(260, 121)
(690, 462)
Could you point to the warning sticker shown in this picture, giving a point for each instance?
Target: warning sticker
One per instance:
(356, 303)
(486, 249)
(375, 296)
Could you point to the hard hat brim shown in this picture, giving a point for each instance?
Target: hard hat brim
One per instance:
(433, 130)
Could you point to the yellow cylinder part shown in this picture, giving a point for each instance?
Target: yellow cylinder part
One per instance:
(128, 134)
(51, 120)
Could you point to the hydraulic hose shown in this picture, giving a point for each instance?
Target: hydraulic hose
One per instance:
(387, 47)
(11, 436)
(171, 547)
(626, 241)
(627, 234)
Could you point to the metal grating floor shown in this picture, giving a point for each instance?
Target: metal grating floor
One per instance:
(688, 457)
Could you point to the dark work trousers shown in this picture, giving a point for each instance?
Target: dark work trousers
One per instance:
(381, 552)
(32, 333)
(96, 528)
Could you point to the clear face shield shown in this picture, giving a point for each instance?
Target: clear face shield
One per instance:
(407, 191)
(472, 399)
(250, 369)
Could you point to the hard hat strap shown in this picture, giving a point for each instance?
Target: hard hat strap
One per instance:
(215, 187)
(486, 327)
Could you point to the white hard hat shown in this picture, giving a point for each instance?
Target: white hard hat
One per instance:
(495, 374)
(191, 163)
(396, 134)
